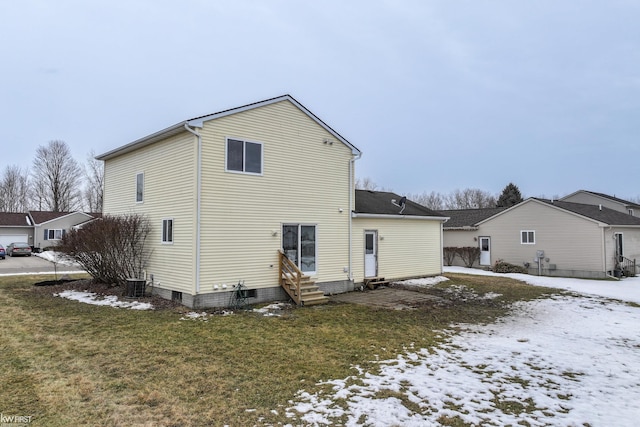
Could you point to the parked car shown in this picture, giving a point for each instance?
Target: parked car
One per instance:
(3, 253)
(18, 248)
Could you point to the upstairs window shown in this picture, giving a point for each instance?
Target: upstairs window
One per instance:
(167, 230)
(139, 188)
(528, 237)
(244, 156)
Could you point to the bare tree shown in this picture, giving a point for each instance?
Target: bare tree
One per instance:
(14, 190)
(470, 198)
(366, 184)
(433, 200)
(57, 178)
(94, 189)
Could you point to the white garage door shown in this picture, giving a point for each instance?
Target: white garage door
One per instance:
(5, 239)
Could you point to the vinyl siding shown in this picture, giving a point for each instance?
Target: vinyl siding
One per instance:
(406, 247)
(460, 238)
(304, 181)
(630, 242)
(169, 169)
(569, 241)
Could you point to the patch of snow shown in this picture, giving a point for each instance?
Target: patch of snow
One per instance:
(424, 282)
(274, 309)
(192, 315)
(565, 360)
(58, 258)
(106, 300)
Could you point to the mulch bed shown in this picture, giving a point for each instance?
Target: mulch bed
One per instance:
(50, 287)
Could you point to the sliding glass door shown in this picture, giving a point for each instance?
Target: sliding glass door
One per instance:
(299, 244)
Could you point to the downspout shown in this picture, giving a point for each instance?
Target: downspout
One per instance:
(198, 203)
(442, 245)
(352, 192)
(604, 254)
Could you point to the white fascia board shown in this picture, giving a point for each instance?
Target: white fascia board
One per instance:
(143, 142)
(380, 216)
(63, 216)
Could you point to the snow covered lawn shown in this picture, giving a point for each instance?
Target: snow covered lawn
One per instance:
(567, 360)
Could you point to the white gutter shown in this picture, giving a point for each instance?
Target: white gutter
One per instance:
(199, 202)
(366, 215)
(352, 191)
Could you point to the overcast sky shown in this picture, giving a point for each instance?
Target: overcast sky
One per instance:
(439, 95)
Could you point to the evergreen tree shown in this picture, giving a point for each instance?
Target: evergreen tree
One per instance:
(510, 196)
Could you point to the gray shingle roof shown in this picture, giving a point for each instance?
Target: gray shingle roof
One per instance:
(460, 218)
(614, 198)
(595, 212)
(11, 219)
(379, 203)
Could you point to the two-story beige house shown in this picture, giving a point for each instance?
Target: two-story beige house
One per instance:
(261, 195)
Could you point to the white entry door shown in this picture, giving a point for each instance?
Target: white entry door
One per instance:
(485, 250)
(370, 253)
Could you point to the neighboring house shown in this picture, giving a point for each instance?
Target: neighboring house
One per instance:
(226, 194)
(40, 229)
(49, 227)
(15, 227)
(612, 202)
(549, 237)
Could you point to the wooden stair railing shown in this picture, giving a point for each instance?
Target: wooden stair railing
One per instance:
(300, 287)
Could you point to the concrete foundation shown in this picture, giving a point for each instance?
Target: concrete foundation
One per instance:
(263, 295)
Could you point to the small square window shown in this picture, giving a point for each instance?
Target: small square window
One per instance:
(528, 237)
(167, 230)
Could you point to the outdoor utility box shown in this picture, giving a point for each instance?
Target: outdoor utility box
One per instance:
(135, 288)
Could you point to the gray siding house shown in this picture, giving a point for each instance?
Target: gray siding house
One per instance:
(40, 229)
(555, 238)
(611, 202)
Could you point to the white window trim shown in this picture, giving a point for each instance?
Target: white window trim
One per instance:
(50, 230)
(522, 242)
(162, 240)
(244, 157)
(142, 193)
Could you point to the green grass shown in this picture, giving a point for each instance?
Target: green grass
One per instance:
(69, 363)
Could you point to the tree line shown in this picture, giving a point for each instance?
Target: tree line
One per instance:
(56, 182)
(469, 198)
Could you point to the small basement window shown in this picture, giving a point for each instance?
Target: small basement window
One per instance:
(176, 296)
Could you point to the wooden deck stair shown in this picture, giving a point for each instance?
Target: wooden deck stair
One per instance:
(300, 287)
(375, 282)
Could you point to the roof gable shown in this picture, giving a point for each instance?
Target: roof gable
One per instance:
(598, 213)
(42, 217)
(626, 203)
(382, 203)
(198, 122)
